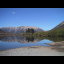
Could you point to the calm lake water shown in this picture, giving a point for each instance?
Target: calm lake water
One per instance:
(17, 42)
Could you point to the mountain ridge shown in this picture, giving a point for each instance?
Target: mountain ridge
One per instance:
(59, 26)
(20, 29)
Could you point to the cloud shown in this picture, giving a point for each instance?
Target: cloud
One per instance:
(13, 12)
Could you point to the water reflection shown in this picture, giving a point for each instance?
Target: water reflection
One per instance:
(20, 39)
(54, 39)
(23, 39)
(9, 42)
(28, 39)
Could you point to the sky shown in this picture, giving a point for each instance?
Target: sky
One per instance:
(44, 18)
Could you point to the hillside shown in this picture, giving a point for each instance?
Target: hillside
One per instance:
(60, 26)
(57, 31)
(21, 29)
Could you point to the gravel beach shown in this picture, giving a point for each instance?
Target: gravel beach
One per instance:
(31, 51)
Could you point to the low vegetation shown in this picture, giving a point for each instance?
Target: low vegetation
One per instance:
(52, 33)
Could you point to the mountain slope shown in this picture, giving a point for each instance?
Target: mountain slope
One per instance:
(20, 29)
(58, 30)
(60, 26)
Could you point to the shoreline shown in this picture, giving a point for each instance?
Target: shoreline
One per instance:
(31, 51)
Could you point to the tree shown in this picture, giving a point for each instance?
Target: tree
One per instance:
(30, 31)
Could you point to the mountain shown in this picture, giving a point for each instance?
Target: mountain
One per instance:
(20, 29)
(60, 26)
(58, 30)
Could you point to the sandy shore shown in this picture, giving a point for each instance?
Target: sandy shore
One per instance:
(31, 51)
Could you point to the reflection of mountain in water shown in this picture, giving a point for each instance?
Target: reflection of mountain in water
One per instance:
(54, 39)
(19, 39)
(23, 39)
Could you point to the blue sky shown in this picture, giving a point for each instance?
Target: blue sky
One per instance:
(45, 18)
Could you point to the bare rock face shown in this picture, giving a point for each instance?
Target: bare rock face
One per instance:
(20, 29)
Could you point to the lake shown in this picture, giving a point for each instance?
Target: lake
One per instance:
(13, 42)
